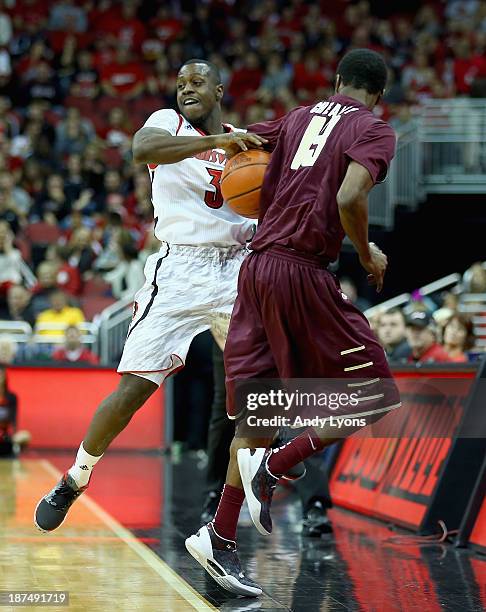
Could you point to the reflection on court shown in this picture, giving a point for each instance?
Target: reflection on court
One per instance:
(100, 563)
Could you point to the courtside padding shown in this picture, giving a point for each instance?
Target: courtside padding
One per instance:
(417, 476)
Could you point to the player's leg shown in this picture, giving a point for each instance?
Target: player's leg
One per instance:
(111, 417)
(220, 434)
(313, 490)
(158, 339)
(304, 347)
(114, 414)
(214, 545)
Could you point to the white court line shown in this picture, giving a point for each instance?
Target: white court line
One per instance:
(358, 367)
(163, 570)
(353, 350)
(361, 384)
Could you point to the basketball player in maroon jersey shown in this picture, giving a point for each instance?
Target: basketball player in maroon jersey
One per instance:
(291, 320)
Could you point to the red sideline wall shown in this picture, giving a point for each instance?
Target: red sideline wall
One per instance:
(394, 478)
(56, 405)
(478, 534)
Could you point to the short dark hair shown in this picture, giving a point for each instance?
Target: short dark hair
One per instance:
(363, 69)
(394, 310)
(213, 69)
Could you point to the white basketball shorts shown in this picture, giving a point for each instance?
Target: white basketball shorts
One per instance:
(187, 290)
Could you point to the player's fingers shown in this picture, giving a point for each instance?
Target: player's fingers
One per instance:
(241, 144)
(255, 140)
(256, 137)
(379, 283)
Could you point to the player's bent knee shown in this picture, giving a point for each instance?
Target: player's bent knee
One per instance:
(132, 393)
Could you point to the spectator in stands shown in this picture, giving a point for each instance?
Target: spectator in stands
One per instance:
(118, 131)
(127, 277)
(52, 205)
(17, 199)
(73, 134)
(73, 350)
(81, 252)
(9, 212)
(277, 75)
(8, 349)
(10, 259)
(74, 181)
(111, 196)
(124, 78)
(392, 334)
(421, 336)
(65, 16)
(93, 167)
(68, 276)
(60, 315)
(85, 81)
(45, 86)
(18, 307)
(46, 284)
(475, 278)
(458, 337)
(31, 178)
(348, 287)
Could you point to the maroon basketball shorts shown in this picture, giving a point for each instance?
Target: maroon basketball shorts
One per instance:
(292, 321)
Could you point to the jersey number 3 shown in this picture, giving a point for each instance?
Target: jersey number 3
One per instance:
(214, 199)
(313, 141)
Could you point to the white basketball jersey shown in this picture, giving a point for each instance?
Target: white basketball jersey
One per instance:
(188, 205)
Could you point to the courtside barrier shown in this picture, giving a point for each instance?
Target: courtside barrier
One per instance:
(418, 465)
(55, 404)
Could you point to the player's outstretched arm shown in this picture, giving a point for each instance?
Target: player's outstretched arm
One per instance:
(352, 199)
(156, 146)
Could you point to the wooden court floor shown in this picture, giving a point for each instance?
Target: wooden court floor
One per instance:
(101, 564)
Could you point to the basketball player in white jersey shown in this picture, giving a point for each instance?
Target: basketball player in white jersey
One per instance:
(191, 283)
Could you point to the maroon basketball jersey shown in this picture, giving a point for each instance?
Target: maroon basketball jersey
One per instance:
(312, 147)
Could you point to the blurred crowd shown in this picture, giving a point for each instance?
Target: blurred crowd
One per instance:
(435, 329)
(78, 78)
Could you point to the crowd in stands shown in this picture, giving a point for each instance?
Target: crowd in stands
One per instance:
(435, 330)
(78, 77)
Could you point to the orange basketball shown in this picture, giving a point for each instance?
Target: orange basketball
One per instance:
(241, 182)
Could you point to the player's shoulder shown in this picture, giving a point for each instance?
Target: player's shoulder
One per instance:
(164, 118)
(369, 122)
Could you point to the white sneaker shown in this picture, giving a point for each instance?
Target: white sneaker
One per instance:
(219, 558)
(259, 485)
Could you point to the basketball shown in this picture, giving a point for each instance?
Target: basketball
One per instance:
(241, 182)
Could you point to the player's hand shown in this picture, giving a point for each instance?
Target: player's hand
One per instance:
(235, 142)
(376, 265)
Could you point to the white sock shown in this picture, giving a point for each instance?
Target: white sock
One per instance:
(83, 466)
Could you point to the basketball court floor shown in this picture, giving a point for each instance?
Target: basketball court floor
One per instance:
(122, 548)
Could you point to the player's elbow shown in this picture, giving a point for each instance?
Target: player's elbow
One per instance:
(347, 198)
(139, 149)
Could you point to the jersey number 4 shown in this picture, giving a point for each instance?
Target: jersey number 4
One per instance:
(313, 141)
(214, 199)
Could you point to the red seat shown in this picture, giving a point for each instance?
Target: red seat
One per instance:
(42, 233)
(94, 304)
(96, 287)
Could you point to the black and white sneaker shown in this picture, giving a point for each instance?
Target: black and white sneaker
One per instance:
(52, 509)
(259, 485)
(219, 558)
